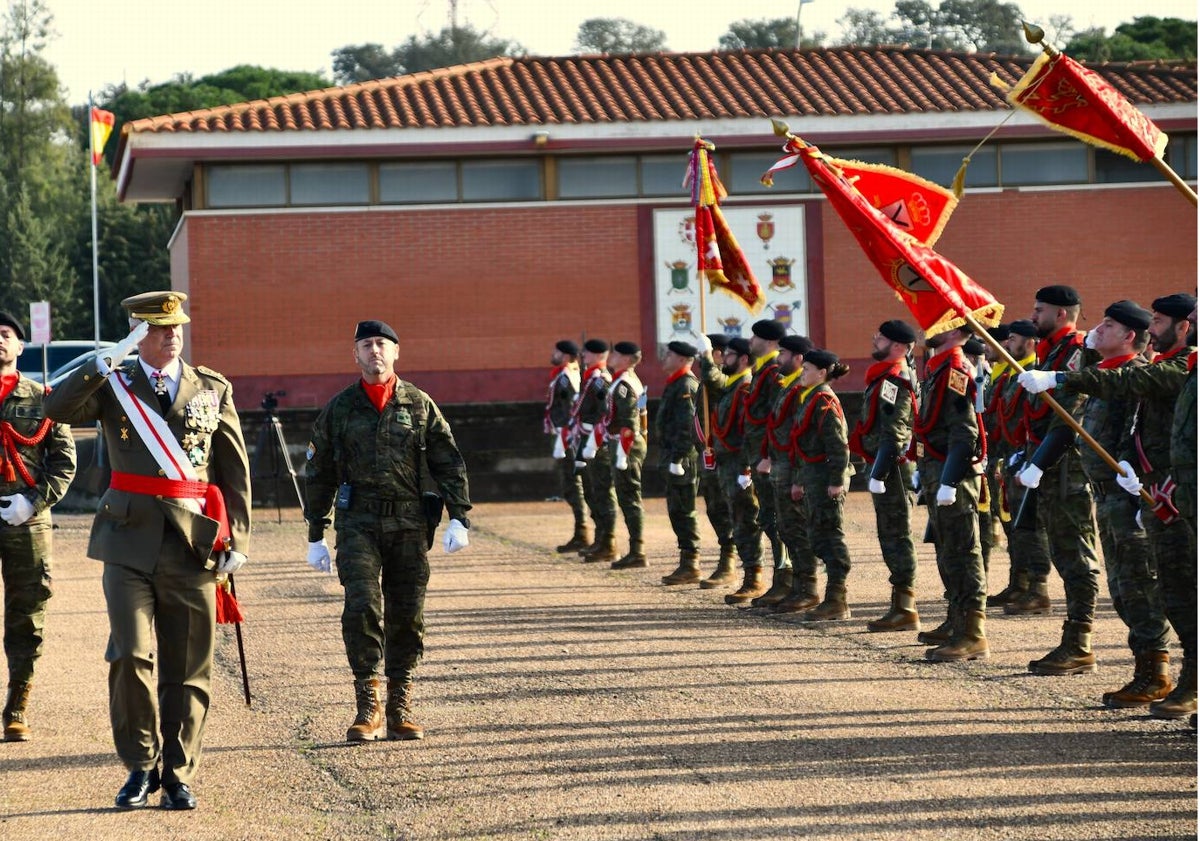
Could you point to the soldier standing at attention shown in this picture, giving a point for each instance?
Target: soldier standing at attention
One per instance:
(882, 437)
(716, 506)
(562, 393)
(949, 449)
(371, 446)
(676, 428)
(37, 463)
(1065, 501)
(593, 455)
(728, 385)
(820, 473)
(175, 444)
(624, 421)
(764, 381)
(974, 350)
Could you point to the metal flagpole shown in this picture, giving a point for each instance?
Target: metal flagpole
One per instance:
(95, 229)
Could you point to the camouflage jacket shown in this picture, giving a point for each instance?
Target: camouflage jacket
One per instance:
(947, 415)
(819, 450)
(50, 462)
(764, 387)
(675, 422)
(1064, 352)
(1108, 421)
(563, 392)
(593, 395)
(626, 402)
(888, 407)
(726, 396)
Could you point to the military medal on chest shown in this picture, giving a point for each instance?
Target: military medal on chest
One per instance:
(203, 411)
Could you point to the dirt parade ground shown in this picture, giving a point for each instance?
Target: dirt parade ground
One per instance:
(566, 701)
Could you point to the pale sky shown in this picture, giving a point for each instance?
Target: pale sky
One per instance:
(134, 40)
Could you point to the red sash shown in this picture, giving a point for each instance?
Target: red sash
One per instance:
(214, 500)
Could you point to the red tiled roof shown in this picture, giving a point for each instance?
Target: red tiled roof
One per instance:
(666, 86)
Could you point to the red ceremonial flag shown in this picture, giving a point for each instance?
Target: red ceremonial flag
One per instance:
(101, 127)
(719, 258)
(1070, 98)
(936, 292)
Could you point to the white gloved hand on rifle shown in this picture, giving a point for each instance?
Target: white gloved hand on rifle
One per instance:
(876, 486)
(947, 495)
(1031, 476)
(455, 537)
(319, 557)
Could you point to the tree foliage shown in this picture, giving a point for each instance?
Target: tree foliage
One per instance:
(1144, 38)
(618, 35)
(453, 45)
(967, 25)
(750, 34)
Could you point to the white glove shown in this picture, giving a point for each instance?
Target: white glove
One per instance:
(744, 481)
(876, 486)
(675, 469)
(589, 449)
(916, 480)
(318, 556)
(1031, 476)
(947, 495)
(1090, 341)
(230, 561)
(15, 509)
(1015, 459)
(1130, 482)
(560, 449)
(455, 537)
(706, 343)
(117, 353)
(1035, 382)
(1137, 518)
(621, 459)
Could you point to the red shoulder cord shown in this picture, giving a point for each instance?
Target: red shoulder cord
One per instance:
(862, 427)
(1073, 340)
(922, 428)
(821, 398)
(721, 431)
(765, 374)
(10, 439)
(774, 421)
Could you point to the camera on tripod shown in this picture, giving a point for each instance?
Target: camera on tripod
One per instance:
(270, 401)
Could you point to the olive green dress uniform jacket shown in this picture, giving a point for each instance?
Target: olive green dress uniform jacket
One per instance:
(51, 464)
(128, 528)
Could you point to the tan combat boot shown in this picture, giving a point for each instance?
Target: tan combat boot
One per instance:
(688, 571)
(1151, 682)
(634, 559)
(781, 587)
(940, 634)
(368, 723)
(1018, 586)
(1035, 601)
(752, 587)
(967, 642)
(605, 551)
(803, 595)
(579, 540)
(834, 608)
(1181, 702)
(1072, 656)
(725, 573)
(16, 729)
(903, 614)
(400, 724)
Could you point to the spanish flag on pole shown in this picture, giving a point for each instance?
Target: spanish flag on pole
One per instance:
(101, 128)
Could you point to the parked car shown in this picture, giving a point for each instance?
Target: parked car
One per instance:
(62, 358)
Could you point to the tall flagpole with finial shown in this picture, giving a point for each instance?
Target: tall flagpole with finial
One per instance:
(95, 227)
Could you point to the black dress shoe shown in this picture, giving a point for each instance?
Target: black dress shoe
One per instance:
(140, 783)
(178, 796)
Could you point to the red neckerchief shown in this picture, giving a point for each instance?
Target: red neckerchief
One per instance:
(1191, 361)
(931, 409)
(682, 372)
(380, 393)
(822, 396)
(1115, 362)
(882, 369)
(875, 373)
(1170, 355)
(1046, 345)
(7, 383)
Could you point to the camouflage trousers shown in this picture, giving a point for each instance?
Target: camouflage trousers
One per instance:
(767, 517)
(794, 531)
(742, 505)
(681, 503)
(893, 522)
(1174, 549)
(598, 490)
(627, 484)
(25, 564)
(1065, 512)
(571, 488)
(716, 506)
(1131, 571)
(384, 572)
(823, 518)
(1028, 545)
(956, 539)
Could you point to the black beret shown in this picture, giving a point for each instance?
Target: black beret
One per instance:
(1023, 327)
(798, 345)
(1000, 332)
(1129, 314)
(627, 348)
(719, 340)
(768, 329)
(1058, 295)
(596, 346)
(8, 320)
(898, 331)
(739, 346)
(371, 329)
(821, 358)
(1179, 305)
(568, 347)
(973, 347)
(683, 349)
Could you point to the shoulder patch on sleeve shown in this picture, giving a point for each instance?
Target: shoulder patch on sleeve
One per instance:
(888, 391)
(1075, 361)
(958, 381)
(623, 390)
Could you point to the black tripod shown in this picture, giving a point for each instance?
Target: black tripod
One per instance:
(272, 447)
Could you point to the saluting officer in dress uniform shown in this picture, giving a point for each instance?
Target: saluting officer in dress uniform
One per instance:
(175, 444)
(37, 463)
(624, 422)
(563, 392)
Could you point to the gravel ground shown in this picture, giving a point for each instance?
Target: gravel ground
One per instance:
(565, 701)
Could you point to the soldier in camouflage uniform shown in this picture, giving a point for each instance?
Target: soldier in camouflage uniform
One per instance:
(716, 506)
(624, 425)
(882, 437)
(1151, 463)
(29, 485)
(1053, 466)
(974, 351)
(675, 429)
(563, 391)
(594, 456)
(949, 448)
(728, 385)
(371, 447)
